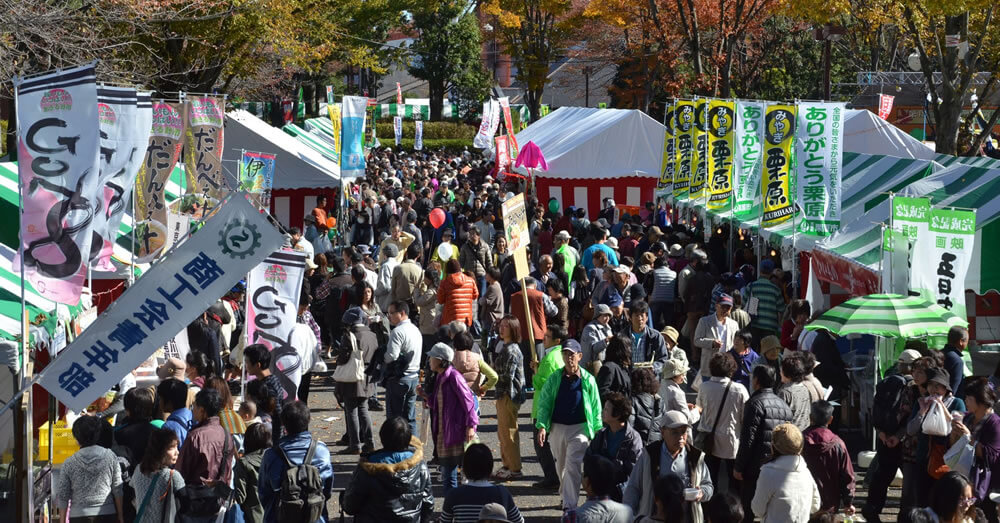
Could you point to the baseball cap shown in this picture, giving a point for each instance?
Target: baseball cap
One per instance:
(354, 316)
(620, 270)
(674, 419)
(676, 250)
(612, 242)
(908, 356)
(563, 235)
(766, 267)
(572, 346)
(602, 309)
(726, 299)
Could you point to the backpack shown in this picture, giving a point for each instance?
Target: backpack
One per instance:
(301, 497)
(888, 403)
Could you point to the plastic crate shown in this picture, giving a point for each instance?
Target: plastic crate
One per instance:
(63, 443)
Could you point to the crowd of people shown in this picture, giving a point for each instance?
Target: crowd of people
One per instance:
(670, 379)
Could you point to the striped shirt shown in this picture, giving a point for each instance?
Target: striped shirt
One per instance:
(769, 305)
(463, 503)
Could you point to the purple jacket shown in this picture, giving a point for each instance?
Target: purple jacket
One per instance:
(830, 465)
(459, 409)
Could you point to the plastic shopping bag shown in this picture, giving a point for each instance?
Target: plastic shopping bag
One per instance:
(961, 456)
(425, 425)
(936, 422)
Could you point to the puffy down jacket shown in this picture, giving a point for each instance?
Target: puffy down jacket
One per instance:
(457, 293)
(391, 487)
(762, 413)
(646, 411)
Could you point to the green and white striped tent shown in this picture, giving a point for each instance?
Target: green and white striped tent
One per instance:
(957, 186)
(312, 140)
(10, 276)
(948, 160)
(413, 112)
(321, 127)
(867, 180)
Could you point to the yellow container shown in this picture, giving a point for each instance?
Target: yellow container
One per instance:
(63, 443)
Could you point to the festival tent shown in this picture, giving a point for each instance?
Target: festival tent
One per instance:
(948, 160)
(301, 173)
(855, 251)
(865, 132)
(594, 154)
(311, 140)
(321, 127)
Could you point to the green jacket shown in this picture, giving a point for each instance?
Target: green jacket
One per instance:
(591, 403)
(550, 363)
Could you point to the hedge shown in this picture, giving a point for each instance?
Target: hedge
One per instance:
(432, 130)
(449, 144)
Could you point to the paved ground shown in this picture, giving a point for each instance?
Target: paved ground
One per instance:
(534, 504)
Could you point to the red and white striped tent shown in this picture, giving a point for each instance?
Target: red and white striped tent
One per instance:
(594, 154)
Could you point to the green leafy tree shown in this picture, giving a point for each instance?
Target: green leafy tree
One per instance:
(446, 54)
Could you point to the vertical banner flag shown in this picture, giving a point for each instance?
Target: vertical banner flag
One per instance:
(418, 138)
(123, 134)
(684, 130)
(397, 128)
(203, 145)
(59, 172)
(779, 136)
(699, 158)
(257, 172)
(122, 184)
(503, 154)
(161, 157)
(161, 303)
(941, 258)
(273, 289)
(507, 121)
(399, 93)
(353, 125)
(488, 127)
(665, 183)
(300, 112)
(746, 167)
(721, 123)
(912, 217)
(885, 105)
(819, 157)
(329, 95)
(335, 115)
(286, 108)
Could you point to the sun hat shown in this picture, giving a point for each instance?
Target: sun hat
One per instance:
(786, 439)
(769, 343)
(670, 333)
(172, 368)
(673, 368)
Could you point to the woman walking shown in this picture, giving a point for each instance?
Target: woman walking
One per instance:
(510, 396)
(155, 482)
(453, 413)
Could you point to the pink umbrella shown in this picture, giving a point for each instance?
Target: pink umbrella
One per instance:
(531, 157)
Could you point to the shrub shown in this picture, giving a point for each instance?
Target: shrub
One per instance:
(432, 130)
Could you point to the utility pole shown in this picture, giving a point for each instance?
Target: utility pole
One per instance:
(586, 75)
(827, 34)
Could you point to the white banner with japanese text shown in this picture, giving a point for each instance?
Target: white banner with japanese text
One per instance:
(746, 164)
(941, 258)
(59, 170)
(418, 137)
(819, 154)
(397, 128)
(911, 216)
(273, 289)
(162, 303)
(353, 115)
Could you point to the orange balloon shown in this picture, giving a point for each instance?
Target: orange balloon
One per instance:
(331, 222)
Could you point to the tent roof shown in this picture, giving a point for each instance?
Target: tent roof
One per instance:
(865, 132)
(297, 166)
(585, 142)
(311, 140)
(957, 186)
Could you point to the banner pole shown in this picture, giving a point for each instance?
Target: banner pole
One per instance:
(527, 321)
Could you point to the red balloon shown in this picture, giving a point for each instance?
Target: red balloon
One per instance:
(437, 218)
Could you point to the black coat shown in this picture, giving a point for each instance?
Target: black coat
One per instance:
(391, 492)
(764, 411)
(613, 378)
(646, 411)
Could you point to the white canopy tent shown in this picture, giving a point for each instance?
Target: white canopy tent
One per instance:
(866, 133)
(594, 154)
(297, 165)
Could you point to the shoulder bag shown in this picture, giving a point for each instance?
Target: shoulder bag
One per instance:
(149, 494)
(703, 440)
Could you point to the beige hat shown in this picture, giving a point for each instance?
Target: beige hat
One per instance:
(674, 419)
(671, 334)
(673, 368)
(786, 440)
(172, 368)
(908, 356)
(769, 343)
(612, 242)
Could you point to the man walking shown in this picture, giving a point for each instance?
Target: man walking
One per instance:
(402, 358)
(569, 408)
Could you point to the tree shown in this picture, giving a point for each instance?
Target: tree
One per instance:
(447, 52)
(536, 34)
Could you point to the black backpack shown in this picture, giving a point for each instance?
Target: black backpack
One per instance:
(889, 402)
(301, 498)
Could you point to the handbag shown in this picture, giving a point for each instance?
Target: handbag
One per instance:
(353, 370)
(207, 500)
(145, 499)
(936, 421)
(704, 441)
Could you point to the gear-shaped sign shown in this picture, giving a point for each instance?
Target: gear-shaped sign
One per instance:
(239, 239)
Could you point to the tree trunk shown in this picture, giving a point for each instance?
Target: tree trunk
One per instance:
(695, 40)
(436, 92)
(726, 71)
(533, 99)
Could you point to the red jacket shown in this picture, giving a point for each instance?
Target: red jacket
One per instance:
(830, 465)
(536, 305)
(458, 293)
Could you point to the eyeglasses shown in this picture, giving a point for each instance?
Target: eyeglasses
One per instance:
(965, 503)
